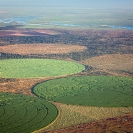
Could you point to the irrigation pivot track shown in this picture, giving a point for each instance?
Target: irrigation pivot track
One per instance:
(24, 114)
(98, 91)
(36, 68)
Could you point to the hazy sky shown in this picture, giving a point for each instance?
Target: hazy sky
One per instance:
(127, 4)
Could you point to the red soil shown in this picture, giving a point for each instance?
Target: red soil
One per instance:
(26, 32)
(28, 49)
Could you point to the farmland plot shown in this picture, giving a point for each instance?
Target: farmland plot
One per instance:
(118, 63)
(73, 114)
(36, 68)
(100, 91)
(24, 114)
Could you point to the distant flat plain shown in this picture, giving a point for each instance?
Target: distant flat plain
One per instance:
(68, 19)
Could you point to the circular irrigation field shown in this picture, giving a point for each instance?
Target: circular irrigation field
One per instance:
(36, 68)
(100, 91)
(24, 114)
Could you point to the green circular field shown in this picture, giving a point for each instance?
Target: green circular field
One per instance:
(100, 91)
(35, 68)
(24, 114)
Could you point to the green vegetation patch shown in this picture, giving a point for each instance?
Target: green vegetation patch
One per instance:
(35, 68)
(24, 114)
(100, 91)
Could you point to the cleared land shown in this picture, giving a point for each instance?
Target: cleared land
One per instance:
(99, 91)
(27, 32)
(93, 113)
(117, 63)
(37, 68)
(19, 86)
(20, 113)
(71, 115)
(120, 124)
(28, 49)
(112, 62)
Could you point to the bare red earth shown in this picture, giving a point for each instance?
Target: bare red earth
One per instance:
(26, 32)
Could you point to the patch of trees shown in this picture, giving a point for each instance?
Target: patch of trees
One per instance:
(97, 43)
(66, 39)
(7, 56)
(11, 27)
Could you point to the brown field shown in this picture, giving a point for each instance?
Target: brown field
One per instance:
(27, 32)
(28, 49)
(113, 63)
(120, 124)
(22, 86)
(73, 115)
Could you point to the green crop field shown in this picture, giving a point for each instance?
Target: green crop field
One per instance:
(35, 68)
(24, 114)
(100, 91)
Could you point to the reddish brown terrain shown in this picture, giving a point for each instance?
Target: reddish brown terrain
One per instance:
(115, 64)
(22, 86)
(120, 124)
(27, 32)
(28, 49)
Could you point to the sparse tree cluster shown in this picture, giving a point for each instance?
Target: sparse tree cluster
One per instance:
(97, 42)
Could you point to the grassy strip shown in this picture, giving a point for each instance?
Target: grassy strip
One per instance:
(73, 115)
